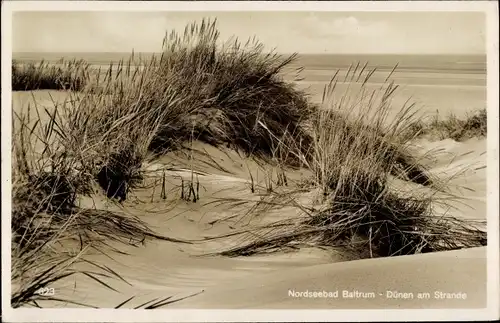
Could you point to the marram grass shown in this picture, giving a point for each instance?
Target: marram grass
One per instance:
(354, 157)
(474, 125)
(63, 75)
(354, 144)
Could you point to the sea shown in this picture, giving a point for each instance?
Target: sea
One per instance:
(441, 83)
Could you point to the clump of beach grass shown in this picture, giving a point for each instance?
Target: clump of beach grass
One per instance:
(52, 168)
(196, 90)
(474, 125)
(356, 152)
(63, 75)
(50, 171)
(199, 90)
(116, 119)
(228, 89)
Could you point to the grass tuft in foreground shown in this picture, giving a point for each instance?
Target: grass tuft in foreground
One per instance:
(51, 233)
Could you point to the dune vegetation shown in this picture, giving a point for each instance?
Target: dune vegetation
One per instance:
(233, 96)
(63, 75)
(472, 126)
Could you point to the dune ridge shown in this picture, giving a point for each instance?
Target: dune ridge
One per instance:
(166, 181)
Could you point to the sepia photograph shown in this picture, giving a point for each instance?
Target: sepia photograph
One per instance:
(209, 156)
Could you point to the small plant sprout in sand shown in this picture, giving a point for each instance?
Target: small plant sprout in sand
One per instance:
(163, 187)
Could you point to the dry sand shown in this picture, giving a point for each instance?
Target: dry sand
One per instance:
(161, 268)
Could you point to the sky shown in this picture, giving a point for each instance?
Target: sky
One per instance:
(287, 32)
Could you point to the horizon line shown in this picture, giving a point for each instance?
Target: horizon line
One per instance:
(281, 53)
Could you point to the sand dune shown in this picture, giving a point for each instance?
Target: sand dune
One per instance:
(160, 269)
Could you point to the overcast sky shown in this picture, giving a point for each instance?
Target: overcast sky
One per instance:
(303, 32)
